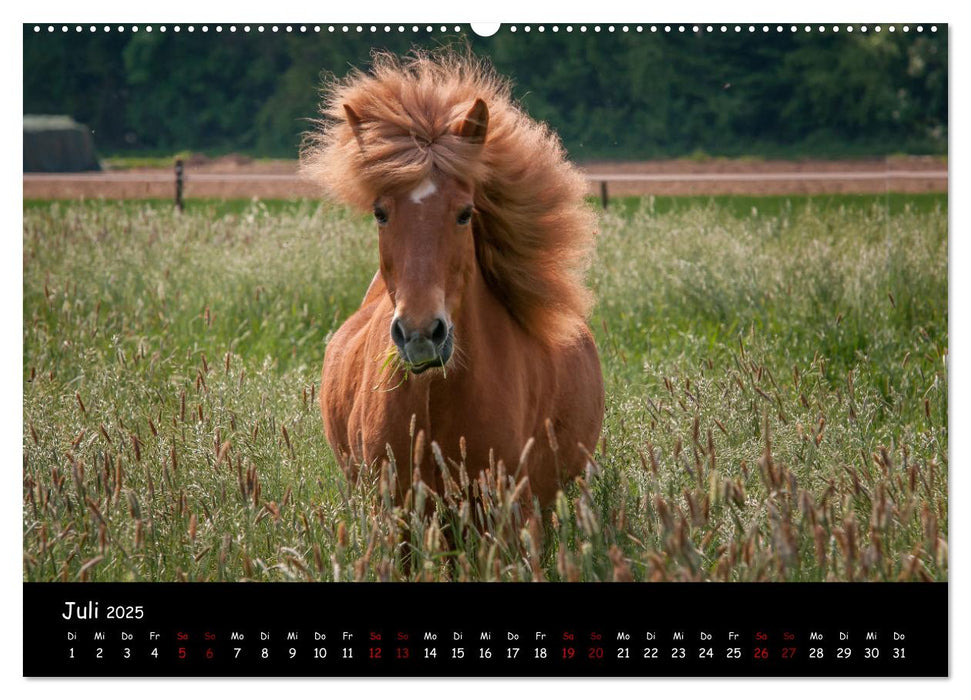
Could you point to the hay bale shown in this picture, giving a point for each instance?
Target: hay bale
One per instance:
(57, 144)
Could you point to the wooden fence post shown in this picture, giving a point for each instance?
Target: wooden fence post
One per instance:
(603, 193)
(178, 184)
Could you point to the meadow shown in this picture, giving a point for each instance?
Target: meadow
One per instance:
(776, 379)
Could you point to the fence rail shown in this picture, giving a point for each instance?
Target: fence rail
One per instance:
(794, 176)
(182, 176)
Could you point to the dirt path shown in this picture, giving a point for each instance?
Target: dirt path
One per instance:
(234, 177)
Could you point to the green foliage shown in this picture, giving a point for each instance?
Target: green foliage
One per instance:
(776, 400)
(609, 95)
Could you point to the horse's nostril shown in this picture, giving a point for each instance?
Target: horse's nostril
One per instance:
(397, 333)
(439, 332)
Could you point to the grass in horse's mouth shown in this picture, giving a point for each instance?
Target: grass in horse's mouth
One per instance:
(392, 362)
(390, 366)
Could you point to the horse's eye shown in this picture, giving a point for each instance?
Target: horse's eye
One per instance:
(465, 216)
(380, 215)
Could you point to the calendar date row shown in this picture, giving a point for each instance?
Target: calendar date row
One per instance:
(509, 653)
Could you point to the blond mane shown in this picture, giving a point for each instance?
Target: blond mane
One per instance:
(533, 231)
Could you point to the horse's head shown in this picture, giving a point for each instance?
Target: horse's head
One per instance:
(427, 255)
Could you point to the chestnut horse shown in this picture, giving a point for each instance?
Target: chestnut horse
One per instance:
(473, 329)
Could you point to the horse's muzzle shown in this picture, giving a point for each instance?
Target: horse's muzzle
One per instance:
(422, 351)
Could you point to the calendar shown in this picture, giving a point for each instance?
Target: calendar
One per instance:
(340, 630)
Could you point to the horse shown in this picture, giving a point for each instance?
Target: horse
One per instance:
(473, 332)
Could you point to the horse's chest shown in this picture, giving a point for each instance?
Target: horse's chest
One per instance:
(451, 418)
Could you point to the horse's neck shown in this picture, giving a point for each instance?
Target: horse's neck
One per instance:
(482, 318)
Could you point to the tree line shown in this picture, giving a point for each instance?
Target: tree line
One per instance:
(609, 95)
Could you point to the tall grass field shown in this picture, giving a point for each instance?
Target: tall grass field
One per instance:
(776, 378)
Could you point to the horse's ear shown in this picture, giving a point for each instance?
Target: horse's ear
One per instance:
(354, 122)
(476, 123)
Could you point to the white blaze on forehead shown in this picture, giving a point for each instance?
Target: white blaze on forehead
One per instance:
(423, 190)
